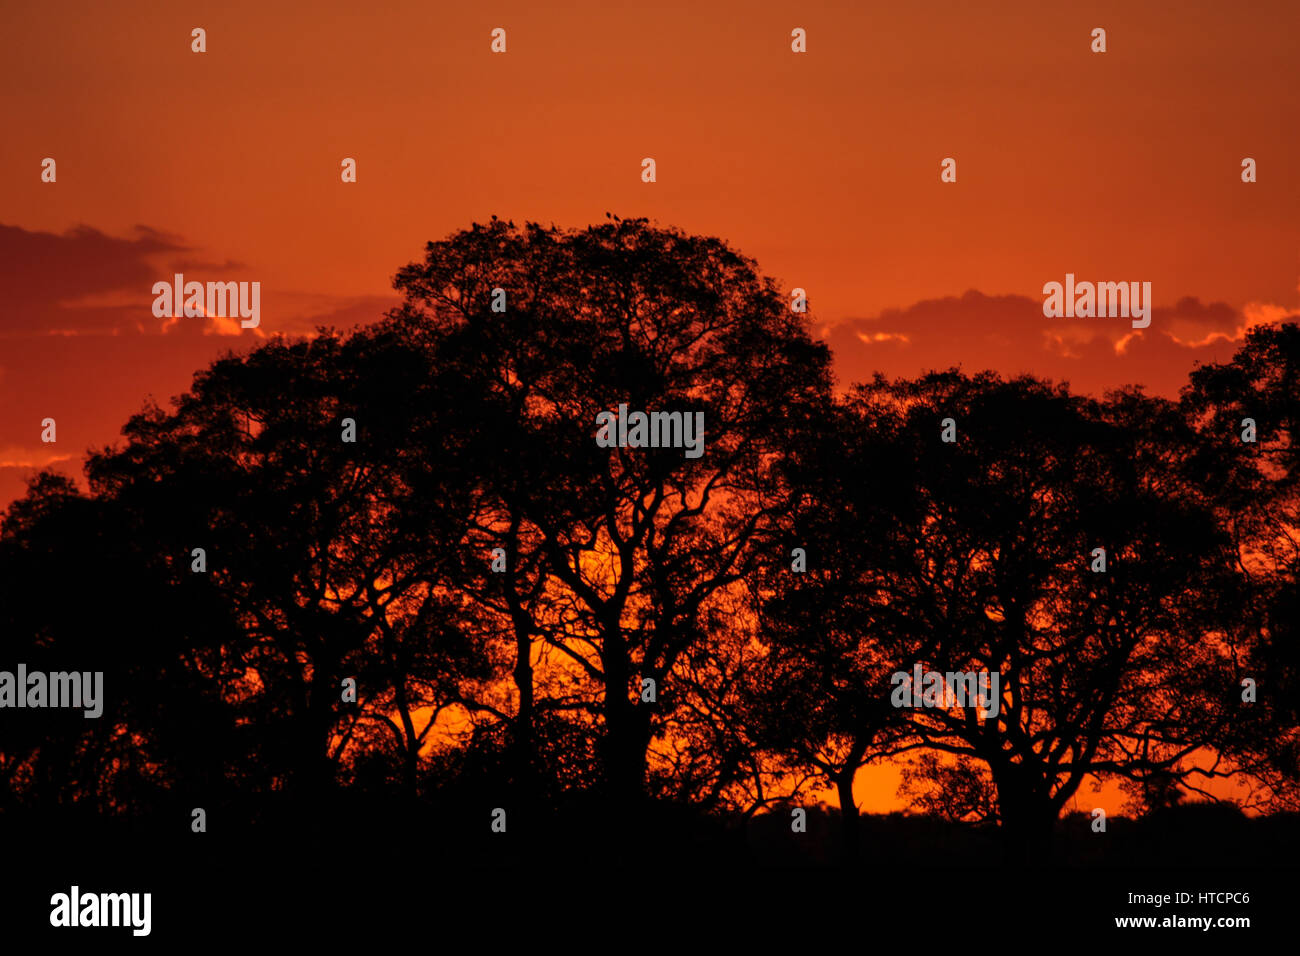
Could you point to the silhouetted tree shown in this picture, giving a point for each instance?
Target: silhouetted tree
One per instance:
(987, 567)
(79, 596)
(308, 541)
(636, 542)
(835, 630)
(1257, 492)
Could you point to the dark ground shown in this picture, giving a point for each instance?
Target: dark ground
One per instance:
(374, 875)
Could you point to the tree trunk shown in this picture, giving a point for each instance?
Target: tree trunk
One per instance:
(523, 729)
(1027, 826)
(411, 752)
(625, 744)
(850, 818)
(627, 737)
(316, 770)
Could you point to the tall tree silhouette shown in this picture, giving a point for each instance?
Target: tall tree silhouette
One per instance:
(636, 542)
(836, 630)
(1257, 395)
(308, 541)
(984, 564)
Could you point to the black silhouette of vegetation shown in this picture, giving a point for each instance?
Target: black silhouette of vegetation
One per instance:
(633, 573)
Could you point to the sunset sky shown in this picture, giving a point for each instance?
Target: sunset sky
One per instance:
(824, 166)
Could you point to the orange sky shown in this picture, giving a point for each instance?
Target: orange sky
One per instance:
(823, 166)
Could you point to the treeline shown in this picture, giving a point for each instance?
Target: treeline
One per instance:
(418, 510)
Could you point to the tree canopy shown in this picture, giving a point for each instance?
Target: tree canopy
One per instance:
(398, 561)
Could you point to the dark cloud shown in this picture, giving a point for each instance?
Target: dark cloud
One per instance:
(42, 275)
(79, 342)
(203, 265)
(1009, 334)
(85, 282)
